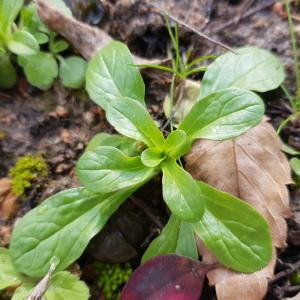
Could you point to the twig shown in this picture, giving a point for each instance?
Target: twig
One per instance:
(293, 267)
(192, 28)
(42, 286)
(246, 15)
(147, 211)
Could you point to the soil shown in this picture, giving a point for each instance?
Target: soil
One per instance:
(59, 123)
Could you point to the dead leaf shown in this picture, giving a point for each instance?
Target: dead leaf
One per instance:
(253, 168)
(87, 40)
(8, 201)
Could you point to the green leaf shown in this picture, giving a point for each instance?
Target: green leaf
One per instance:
(63, 285)
(60, 46)
(223, 115)
(152, 157)
(186, 244)
(234, 231)
(290, 150)
(110, 76)
(107, 169)
(181, 192)
(8, 74)
(8, 274)
(128, 146)
(24, 291)
(72, 71)
(61, 227)
(30, 21)
(295, 165)
(9, 9)
(166, 242)
(176, 237)
(131, 119)
(40, 69)
(251, 69)
(23, 43)
(176, 144)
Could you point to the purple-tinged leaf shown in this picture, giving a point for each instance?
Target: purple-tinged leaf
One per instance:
(167, 277)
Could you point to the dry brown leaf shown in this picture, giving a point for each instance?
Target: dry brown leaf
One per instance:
(87, 40)
(253, 168)
(8, 201)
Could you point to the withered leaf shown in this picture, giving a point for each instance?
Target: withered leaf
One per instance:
(253, 168)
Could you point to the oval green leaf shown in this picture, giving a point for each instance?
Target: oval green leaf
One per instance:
(110, 75)
(9, 10)
(107, 169)
(176, 144)
(40, 69)
(23, 43)
(223, 115)
(251, 68)
(152, 157)
(181, 193)
(61, 227)
(72, 71)
(234, 231)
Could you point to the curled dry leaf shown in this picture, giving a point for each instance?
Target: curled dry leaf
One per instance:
(87, 40)
(8, 201)
(167, 277)
(253, 168)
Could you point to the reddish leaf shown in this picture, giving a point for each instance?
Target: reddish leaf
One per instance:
(167, 277)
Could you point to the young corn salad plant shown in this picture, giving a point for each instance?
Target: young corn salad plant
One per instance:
(114, 166)
(26, 41)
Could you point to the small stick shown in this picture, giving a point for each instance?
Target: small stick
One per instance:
(192, 28)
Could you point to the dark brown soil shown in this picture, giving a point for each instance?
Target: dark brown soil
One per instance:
(58, 123)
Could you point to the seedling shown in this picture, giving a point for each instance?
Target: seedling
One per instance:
(110, 170)
(26, 39)
(293, 99)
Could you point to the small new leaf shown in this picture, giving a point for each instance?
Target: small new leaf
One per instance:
(107, 169)
(110, 75)
(152, 157)
(181, 192)
(223, 115)
(176, 144)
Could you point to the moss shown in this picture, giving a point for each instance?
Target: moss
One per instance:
(112, 277)
(27, 169)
